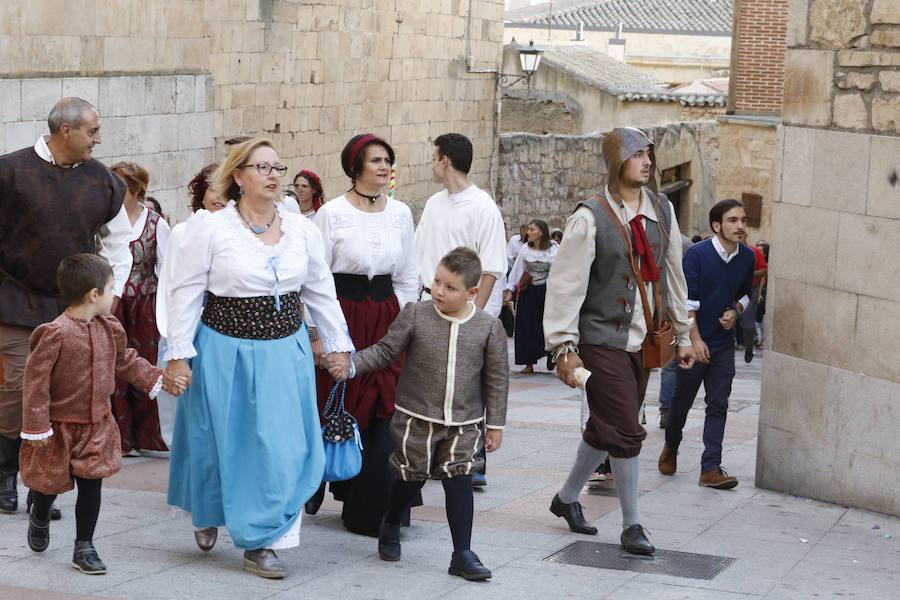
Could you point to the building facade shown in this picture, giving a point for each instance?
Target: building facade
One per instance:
(830, 408)
(172, 80)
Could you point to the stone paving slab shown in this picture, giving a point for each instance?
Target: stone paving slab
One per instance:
(786, 547)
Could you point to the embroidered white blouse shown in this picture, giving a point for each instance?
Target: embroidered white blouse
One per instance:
(371, 244)
(528, 255)
(217, 253)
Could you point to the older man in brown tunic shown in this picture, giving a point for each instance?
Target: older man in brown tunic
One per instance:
(55, 201)
(594, 318)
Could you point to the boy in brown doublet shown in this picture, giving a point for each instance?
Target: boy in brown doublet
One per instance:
(67, 424)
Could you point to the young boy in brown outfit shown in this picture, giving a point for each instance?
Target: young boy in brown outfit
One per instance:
(454, 381)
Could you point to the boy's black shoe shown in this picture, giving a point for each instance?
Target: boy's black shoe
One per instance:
(573, 515)
(635, 542)
(86, 560)
(467, 565)
(389, 542)
(38, 533)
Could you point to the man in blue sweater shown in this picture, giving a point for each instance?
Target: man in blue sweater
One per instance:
(719, 274)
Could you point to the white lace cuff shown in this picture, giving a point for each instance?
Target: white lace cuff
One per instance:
(37, 436)
(153, 393)
(176, 350)
(337, 344)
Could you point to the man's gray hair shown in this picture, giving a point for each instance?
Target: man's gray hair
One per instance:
(68, 110)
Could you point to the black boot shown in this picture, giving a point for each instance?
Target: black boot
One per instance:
(573, 516)
(389, 542)
(38, 534)
(313, 504)
(55, 513)
(86, 560)
(467, 565)
(9, 471)
(634, 541)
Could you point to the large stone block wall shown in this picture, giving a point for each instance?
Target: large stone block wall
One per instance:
(830, 407)
(545, 176)
(310, 75)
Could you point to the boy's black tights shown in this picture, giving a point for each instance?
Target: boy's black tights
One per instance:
(459, 501)
(87, 507)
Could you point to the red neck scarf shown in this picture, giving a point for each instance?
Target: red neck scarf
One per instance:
(649, 270)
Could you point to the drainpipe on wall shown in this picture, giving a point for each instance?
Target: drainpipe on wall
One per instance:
(616, 47)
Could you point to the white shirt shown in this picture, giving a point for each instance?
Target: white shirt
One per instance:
(290, 204)
(694, 305)
(529, 254)
(162, 236)
(513, 247)
(370, 244)
(469, 218)
(217, 253)
(114, 240)
(569, 276)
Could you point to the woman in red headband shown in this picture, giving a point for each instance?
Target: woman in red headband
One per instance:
(369, 247)
(309, 191)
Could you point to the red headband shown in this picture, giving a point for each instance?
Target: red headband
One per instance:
(316, 185)
(361, 143)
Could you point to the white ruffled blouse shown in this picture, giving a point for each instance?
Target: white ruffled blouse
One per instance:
(217, 253)
(370, 244)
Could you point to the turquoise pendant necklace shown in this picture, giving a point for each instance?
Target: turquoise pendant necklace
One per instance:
(258, 229)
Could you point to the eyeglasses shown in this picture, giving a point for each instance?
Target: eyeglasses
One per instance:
(265, 168)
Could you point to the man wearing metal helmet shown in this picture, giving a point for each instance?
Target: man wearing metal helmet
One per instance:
(594, 321)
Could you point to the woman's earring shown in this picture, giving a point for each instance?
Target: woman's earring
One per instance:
(240, 191)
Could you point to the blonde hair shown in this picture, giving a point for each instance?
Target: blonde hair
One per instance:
(222, 180)
(135, 177)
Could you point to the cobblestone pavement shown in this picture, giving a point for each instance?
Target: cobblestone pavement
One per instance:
(785, 547)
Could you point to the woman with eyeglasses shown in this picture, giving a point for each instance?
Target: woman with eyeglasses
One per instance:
(369, 248)
(247, 448)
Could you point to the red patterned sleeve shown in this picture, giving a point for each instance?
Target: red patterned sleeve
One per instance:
(43, 352)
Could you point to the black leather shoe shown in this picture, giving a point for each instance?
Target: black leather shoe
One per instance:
(389, 542)
(38, 534)
(467, 565)
(313, 505)
(86, 560)
(206, 538)
(55, 513)
(573, 515)
(634, 541)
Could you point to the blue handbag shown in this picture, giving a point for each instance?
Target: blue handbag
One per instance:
(340, 434)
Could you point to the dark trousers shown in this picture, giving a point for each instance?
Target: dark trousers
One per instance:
(716, 378)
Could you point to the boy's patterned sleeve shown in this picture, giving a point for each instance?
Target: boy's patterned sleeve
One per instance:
(130, 366)
(495, 378)
(43, 352)
(389, 348)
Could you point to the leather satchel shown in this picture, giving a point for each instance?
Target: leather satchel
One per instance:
(659, 344)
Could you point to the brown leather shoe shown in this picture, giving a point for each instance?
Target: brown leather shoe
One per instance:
(206, 538)
(668, 460)
(265, 563)
(718, 479)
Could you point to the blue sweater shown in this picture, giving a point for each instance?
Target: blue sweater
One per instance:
(717, 285)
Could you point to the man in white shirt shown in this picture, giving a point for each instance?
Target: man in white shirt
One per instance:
(515, 244)
(55, 201)
(462, 215)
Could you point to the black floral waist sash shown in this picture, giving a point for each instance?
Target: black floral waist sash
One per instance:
(254, 318)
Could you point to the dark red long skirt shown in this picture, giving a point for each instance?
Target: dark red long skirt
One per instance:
(136, 414)
(370, 399)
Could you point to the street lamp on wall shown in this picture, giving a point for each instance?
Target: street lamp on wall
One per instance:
(529, 61)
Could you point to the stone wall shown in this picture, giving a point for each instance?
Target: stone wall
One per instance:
(747, 157)
(830, 407)
(308, 74)
(545, 176)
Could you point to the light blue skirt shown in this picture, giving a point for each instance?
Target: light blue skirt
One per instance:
(247, 446)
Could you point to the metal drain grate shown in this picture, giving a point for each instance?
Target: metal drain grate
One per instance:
(663, 562)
